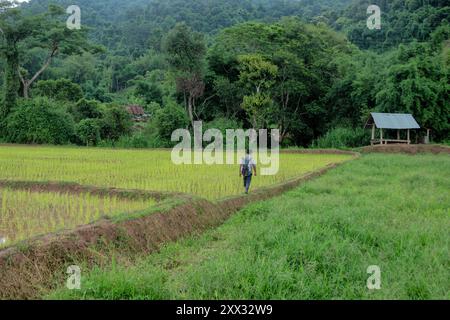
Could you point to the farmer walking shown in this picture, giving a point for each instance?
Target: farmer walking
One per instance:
(247, 169)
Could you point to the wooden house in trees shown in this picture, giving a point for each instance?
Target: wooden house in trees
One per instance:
(137, 113)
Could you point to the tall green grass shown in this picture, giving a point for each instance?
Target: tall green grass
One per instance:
(342, 138)
(315, 242)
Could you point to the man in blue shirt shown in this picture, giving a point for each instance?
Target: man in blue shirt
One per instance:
(247, 169)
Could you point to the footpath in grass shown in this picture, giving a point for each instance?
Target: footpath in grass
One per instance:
(315, 242)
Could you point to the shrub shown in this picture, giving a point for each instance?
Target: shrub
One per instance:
(99, 93)
(85, 109)
(61, 90)
(39, 121)
(88, 131)
(116, 122)
(150, 92)
(343, 138)
(168, 119)
(3, 116)
(223, 124)
(137, 140)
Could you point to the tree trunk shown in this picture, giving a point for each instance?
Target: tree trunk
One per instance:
(27, 83)
(12, 84)
(283, 133)
(191, 110)
(26, 89)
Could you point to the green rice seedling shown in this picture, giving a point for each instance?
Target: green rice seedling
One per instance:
(26, 214)
(144, 169)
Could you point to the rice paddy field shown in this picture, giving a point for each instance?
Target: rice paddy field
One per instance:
(25, 214)
(144, 169)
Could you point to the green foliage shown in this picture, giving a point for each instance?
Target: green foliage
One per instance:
(418, 83)
(137, 140)
(258, 75)
(88, 131)
(185, 49)
(352, 96)
(86, 109)
(60, 90)
(339, 138)
(286, 62)
(402, 22)
(25, 33)
(223, 124)
(39, 121)
(14, 29)
(229, 96)
(257, 106)
(12, 86)
(148, 91)
(116, 122)
(256, 72)
(108, 122)
(131, 27)
(168, 119)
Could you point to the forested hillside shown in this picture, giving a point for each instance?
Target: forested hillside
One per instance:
(133, 26)
(319, 71)
(403, 21)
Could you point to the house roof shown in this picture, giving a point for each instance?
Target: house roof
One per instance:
(136, 110)
(394, 121)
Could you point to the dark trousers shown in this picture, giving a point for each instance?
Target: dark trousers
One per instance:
(247, 183)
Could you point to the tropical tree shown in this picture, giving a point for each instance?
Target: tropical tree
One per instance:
(56, 38)
(417, 82)
(14, 28)
(186, 52)
(61, 90)
(290, 63)
(20, 33)
(258, 75)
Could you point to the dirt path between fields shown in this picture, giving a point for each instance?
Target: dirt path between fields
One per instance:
(74, 188)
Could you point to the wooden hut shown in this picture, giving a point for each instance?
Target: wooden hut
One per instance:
(137, 113)
(391, 121)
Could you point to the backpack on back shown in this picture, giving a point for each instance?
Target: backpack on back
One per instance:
(247, 169)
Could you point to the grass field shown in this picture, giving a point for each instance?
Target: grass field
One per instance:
(24, 214)
(315, 242)
(143, 169)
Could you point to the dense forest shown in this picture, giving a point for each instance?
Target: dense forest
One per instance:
(311, 68)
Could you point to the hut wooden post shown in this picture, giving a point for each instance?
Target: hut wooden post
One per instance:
(373, 134)
(381, 136)
(398, 134)
(409, 136)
